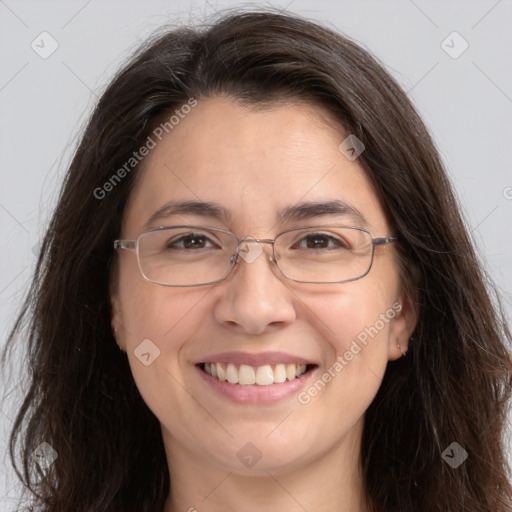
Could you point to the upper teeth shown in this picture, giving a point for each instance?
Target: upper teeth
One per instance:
(260, 375)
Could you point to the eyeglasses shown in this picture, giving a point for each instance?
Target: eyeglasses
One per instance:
(194, 255)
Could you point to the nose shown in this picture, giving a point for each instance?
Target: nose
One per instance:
(254, 297)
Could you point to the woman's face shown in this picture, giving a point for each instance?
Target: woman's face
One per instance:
(253, 165)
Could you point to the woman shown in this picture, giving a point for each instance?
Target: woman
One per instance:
(259, 219)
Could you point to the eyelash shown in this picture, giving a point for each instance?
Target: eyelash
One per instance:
(172, 243)
(338, 241)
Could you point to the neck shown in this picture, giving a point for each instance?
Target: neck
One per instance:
(331, 482)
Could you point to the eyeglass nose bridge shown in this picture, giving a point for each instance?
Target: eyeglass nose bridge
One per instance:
(248, 254)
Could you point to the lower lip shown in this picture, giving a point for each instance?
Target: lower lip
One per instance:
(255, 394)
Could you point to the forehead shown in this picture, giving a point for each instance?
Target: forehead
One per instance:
(254, 163)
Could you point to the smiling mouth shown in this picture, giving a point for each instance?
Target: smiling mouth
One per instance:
(247, 375)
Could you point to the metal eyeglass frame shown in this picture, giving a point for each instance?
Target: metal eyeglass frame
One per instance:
(133, 245)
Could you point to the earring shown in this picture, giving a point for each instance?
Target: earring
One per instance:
(403, 353)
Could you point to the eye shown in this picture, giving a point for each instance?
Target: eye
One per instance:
(320, 241)
(190, 241)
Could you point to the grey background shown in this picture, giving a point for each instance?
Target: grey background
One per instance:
(465, 101)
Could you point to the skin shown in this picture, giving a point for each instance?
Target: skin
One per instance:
(255, 162)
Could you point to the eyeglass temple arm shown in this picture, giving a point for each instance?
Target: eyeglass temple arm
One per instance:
(124, 244)
(384, 241)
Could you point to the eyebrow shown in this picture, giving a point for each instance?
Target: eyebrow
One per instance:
(298, 212)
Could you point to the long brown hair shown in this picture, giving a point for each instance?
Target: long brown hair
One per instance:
(454, 385)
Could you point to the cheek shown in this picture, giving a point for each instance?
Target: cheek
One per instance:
(158, 321)
(355, 322)
(160, 313)
(359, 310)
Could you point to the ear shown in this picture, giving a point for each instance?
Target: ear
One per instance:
(115, 312)
(402, 327)
(116, 317)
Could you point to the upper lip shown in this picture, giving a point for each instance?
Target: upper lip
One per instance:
(259, 359)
